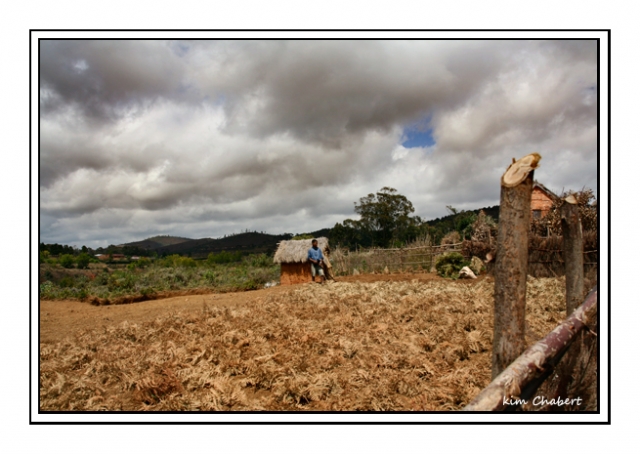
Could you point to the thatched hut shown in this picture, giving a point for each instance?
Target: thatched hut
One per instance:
(292, 257)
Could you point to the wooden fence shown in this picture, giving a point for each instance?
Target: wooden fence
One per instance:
(409, 259)
(545, 257)
(569, 353)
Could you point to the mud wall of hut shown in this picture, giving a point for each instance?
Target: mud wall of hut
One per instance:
(294, 273)
(540, 201)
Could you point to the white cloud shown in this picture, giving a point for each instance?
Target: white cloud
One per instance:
(146, 137)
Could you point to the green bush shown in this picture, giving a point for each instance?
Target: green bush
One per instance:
(44, 256)
(143, 262)
(209, 277)
(258, 261)
(121, 280)
(175, 260)
(66, 260)
(47, 290)
(83, 261)
(224, 257)
(102, 278)
(449, 265)
(67, 282)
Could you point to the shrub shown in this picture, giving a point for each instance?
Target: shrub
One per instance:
(121, 280)
(83, 261)
(143, 262)
(83, 294)
(209, 277)
(66, 260)
(258, 261)
(224, 257)
(449, 265)
(47, 290)
(260, 276)
(44, 256)
(67, 282)
(175, 260)
(147, 291)
(102, 278)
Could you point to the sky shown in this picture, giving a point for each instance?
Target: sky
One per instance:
(207, 138)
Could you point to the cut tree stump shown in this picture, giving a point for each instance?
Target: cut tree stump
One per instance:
(512, 256)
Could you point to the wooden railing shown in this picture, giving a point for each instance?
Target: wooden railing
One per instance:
(518, 383)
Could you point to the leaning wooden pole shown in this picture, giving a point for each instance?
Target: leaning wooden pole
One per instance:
(518, 382)
(572, 246)
(512, 256)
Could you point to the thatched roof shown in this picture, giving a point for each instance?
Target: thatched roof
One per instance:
(295, 251)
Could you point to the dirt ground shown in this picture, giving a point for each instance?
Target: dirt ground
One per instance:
(59, 319)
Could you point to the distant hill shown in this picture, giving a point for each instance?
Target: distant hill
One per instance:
(247, 243)
(493, 211)
(156, 242)
(321, 233)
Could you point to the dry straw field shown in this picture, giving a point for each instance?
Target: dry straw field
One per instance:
(377, 346)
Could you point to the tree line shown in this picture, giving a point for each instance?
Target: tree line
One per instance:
(386, 220)
(59, 249)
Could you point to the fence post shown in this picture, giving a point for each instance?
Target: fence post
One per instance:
(511, 263)
(572, 246)
(521, 379)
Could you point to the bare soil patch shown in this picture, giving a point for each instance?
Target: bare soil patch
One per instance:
(59, 319)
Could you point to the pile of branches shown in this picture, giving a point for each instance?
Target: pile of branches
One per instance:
(551, 223)
(483, 237)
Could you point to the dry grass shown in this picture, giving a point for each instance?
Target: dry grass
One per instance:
(345, 346)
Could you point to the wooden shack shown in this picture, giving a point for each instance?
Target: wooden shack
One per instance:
(292, 257)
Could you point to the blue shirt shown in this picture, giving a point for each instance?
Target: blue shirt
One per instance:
(315, 254)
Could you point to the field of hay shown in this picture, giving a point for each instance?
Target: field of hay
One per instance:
(377, 346)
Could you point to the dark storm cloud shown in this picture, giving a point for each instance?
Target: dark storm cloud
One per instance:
(210, 136)
(326, 91)
(106, 80)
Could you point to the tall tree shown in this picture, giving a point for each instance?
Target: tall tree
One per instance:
(386, 215)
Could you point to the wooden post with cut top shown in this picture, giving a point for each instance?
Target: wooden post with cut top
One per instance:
(512, 256)
(572, 246)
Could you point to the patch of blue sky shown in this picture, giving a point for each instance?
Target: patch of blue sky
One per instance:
(216, 100)
(590, 94)
(418, 135)
(180, 48)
